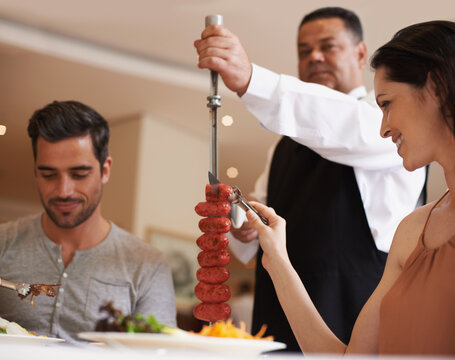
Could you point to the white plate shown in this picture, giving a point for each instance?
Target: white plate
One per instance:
(188, 341)
(27, 339)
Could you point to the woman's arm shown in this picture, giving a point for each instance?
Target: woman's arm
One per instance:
(312, 334)
(310, 330)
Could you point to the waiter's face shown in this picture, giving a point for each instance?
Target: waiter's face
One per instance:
(330, 55)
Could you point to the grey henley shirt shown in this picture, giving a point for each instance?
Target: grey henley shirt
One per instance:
(123, 268)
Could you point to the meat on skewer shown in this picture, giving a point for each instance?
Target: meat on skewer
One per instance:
(212, 241)
(214, 257)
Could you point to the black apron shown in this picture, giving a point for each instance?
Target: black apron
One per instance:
(329, 242)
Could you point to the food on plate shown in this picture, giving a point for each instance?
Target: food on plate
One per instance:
(12, 328)
(227, 329)
(118, 322)
(212, 241)
(37, 289)
(214, 256)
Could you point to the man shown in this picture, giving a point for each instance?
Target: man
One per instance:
(71, 243)
(341, 188)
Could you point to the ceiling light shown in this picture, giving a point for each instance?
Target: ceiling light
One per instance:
(227, 120)
(232, 172)
(2, 129)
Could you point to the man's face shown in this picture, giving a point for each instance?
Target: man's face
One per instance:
(329, 55)
(69, 179)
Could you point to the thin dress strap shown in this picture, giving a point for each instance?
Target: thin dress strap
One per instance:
(429, 214)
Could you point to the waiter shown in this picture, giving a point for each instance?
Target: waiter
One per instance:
(341, 188)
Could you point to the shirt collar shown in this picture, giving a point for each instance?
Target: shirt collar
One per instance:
(358, 92)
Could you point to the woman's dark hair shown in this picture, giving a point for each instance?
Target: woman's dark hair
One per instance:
(350, 19)
(67, 119)
(419, 51)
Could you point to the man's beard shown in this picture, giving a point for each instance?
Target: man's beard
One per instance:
(67, 220)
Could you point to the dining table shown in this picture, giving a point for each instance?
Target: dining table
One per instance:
(18, 350)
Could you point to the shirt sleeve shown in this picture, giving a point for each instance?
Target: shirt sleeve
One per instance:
(401, 189)
(246, 251)
(337, 126)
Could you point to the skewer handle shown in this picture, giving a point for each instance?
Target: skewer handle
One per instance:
(213, 20)
(214, 104)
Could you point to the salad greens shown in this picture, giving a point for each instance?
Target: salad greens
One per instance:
(117, 321)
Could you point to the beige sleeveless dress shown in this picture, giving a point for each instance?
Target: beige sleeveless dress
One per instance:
(417, 315)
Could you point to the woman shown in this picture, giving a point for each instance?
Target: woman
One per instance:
(412, 311)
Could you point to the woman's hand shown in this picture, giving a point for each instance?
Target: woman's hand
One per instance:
(272, 238)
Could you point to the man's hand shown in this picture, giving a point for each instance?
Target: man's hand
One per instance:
(221, 51)
(246, 233)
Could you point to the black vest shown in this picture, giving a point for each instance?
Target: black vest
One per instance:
(329, 242)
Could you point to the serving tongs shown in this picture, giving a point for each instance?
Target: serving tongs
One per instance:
(236, 198)
(22, 289)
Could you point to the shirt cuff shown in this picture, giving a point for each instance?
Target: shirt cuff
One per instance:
(238, 216)
(263, 83)
(243, 251)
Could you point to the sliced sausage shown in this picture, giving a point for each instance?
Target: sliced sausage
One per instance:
(212, 293)
(219, 225)
(212, 312)
(212, 241)
(223, 193)
(212, 275)
(209, 258)
(217, 208)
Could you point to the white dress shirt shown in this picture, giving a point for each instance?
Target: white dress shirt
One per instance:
(342, 129)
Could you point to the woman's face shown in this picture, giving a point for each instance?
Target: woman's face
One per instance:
(412, 118)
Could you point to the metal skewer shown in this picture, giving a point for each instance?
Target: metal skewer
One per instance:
(214, 103)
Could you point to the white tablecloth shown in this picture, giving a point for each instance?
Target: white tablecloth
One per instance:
(17, 351)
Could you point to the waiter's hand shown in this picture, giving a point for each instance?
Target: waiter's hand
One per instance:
(246, 233)
(221, 51)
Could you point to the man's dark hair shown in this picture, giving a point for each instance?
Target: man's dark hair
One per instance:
(419, 51)
(350, 19)
(67, 119)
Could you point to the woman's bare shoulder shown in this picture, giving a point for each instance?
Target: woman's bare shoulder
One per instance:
(408, 232)
(417, 217)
